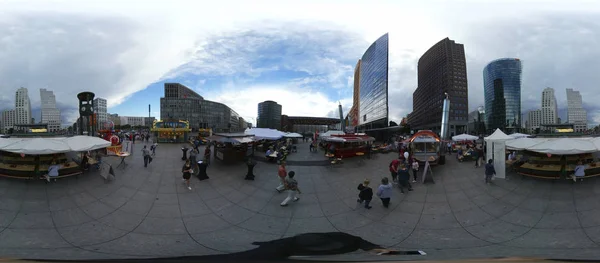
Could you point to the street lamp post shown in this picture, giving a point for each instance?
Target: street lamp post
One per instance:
(479, 113)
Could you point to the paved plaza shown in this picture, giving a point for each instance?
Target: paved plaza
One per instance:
(148, 212)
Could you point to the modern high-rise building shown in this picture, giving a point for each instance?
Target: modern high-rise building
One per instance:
(50, 113)
(373, 107)
(8, 120)
(180, 102)
(549, 107)
(576, 114)
(101, 111)
(534, 119)
(269, 115)
(442, 69)
(22, 107)
(353, 114)
(502, 93)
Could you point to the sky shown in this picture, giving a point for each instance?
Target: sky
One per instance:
(300, 54)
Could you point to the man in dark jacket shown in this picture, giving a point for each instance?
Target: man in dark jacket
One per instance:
(489, 171)
(404, 177)
(365, 194)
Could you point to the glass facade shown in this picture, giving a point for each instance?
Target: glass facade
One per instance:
(441, 69)
(502, 92)
(269, 115)
(182, 103)
(373, 106)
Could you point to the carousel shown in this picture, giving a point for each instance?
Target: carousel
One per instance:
(171, 131)
(110, 134)
(347, 145)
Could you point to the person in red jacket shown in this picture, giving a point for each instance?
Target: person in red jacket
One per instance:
(394, 169)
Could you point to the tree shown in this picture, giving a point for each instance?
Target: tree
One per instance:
(392, 123)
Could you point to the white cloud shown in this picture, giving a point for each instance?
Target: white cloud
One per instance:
(294, 101)
(115, 48)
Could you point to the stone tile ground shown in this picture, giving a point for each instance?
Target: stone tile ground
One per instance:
(148, 212)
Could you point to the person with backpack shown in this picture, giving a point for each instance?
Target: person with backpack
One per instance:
(291, 185)
(365, 194)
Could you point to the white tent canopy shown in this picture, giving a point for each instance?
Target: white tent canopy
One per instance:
(4, 142)
(265, 133)
(565, 146)
(496, 149)
(293, 135)
(85, 143)
(498, 135)
(519, 135)
(37, 146)
(40, 146)
(464, 137)
(524, 143)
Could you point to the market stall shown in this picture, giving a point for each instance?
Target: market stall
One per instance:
(232, 147)
(553, 158)
(30, 157)
(348, 145)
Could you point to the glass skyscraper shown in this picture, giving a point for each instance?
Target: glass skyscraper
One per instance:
(502, 91)
(373, 106)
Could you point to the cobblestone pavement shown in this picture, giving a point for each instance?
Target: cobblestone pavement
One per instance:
(148, 212)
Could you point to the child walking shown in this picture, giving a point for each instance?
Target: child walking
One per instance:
(365, 194)
(415, 169)
(384, 192)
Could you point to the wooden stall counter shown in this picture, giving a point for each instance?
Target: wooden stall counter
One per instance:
(546, 171)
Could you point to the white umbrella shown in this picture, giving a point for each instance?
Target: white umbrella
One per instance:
(38, 146)
(293, 135)
(85, 143)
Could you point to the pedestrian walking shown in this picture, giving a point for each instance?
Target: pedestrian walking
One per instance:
(153, 149)
(479, 156)
(384, 192)
(415, 169)
(147, 157)
(187, 171)
(404, 178)
(394, 169)
(475, 155)
(281, 173)
(291, 186)
(193, 161)
(366, 194)
(490, 171)
(207, 154)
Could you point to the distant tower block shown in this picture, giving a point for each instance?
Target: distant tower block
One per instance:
(86, 111)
